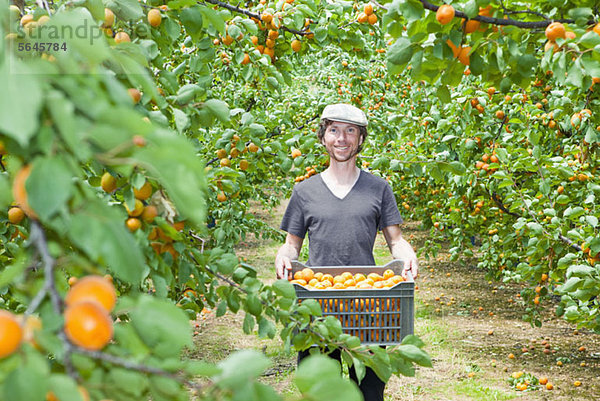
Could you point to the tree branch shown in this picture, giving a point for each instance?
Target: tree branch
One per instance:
(501, 206)
(379, 5)
(528, 11)
(500, 21)
(254, 16)
(115, 360)
(38, 238)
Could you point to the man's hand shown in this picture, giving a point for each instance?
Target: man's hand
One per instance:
(401, 250)
(283, 267)
(410, 264)
(288, 252)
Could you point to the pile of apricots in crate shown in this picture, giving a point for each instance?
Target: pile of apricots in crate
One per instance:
(346, 280)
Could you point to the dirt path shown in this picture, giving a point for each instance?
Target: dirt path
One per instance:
(470, 326)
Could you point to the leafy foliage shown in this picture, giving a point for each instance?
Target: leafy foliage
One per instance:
(488, 137)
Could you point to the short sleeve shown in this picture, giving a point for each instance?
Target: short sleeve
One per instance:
(293, 220)
(389, 210)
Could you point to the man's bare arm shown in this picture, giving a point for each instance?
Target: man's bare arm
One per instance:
(288, 252)
(401, 249)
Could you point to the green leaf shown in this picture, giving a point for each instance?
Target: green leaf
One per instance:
(395, 29)
(273, 83)
(313, 305)
(591, 66)
(226, 263)
(221, 309)
(218, 108)
(64, 387)
(443, 94)
(263, 392)
(178, 4)
(535, 228)
(380, 362)
(184, 179)
(248, 324)
(579, 270)
(125, 9)
(126, 336)
(415, 354)
(359, 368)
(187, 93)
(572, 313)
(240, 367)
(182, 120)
(266, 328)
(162, 326)
(320, 34)
(477, 64)
(214, 18)
(284, 288)
(20, 102)
(127, 381)
(567, 260)
(13, 270)
(412, 10)
(574, 212)
(5, 192)
(335, 389)
(165, 388)
(591, 135)
(527, 63)
(570, 285)
(400, 52)
(88, 42)
(471, 8)
(502, 155)
(253, 305)
(99, 231)
(458, 168)
(313, 369)
(62, 111)
(96, 8)
(201, 368)
(29, 381)
(575, 76)
(250, 26)
(191, 18)
(582, 12)
(49, 186)
(412, 339)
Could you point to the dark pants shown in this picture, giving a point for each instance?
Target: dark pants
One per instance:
(371, 385)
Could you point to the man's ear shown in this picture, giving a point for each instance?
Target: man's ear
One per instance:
(361, 139)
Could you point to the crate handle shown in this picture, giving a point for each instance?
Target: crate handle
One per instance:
(296, 265)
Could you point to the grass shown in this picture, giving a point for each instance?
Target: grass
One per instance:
(476, 390)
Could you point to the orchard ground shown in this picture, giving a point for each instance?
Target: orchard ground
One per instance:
(470, 325)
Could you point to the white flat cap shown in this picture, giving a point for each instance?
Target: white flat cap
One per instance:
(345, 113)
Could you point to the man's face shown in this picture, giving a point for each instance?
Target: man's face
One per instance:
(342, 141)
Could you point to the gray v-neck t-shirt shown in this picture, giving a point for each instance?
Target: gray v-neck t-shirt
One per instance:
(341, 232)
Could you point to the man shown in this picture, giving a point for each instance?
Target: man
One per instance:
(342, 209)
